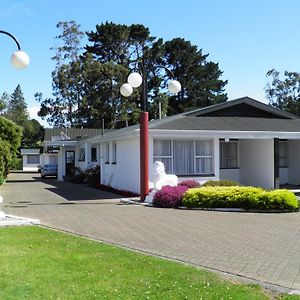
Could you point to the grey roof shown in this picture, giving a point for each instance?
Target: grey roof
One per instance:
(72, 133)
(279, 121)
(231, 124)
(244, 100)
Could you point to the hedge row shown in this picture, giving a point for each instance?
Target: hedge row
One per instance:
(240, 197)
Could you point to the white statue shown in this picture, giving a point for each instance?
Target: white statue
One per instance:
(160, 179)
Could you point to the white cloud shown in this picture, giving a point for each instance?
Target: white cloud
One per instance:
(33, 110)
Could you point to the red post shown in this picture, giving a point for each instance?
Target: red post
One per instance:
(144, 155)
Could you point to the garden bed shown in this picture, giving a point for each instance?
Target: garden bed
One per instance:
(226, 198)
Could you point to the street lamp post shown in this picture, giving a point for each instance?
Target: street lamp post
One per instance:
(134, 80)
(19, 59)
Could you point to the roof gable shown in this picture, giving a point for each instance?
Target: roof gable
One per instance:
(242, 107)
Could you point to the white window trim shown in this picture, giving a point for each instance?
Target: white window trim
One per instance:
(107, 154)
(158, 157)
(238, 155)
(287, 154)
(114, 153)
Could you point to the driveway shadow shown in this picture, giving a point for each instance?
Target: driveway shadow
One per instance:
(77, 192)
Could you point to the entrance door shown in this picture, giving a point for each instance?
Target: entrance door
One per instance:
(70, 162)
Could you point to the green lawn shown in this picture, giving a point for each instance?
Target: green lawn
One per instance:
(37, 263)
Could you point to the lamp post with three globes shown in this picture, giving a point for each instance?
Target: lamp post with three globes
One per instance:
(134, 80)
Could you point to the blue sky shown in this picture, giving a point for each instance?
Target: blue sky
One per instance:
(246, 38)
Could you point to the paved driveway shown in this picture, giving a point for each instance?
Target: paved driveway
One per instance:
(264, 247)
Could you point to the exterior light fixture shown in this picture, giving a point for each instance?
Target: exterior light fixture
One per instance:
(134, 80)
(19, 59)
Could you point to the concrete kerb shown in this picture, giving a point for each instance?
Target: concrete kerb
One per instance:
(227, 275)
(136, 201)
(10, 220)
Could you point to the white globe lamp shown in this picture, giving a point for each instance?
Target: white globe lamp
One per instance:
(126, 90)
(174, 86)
(20, 59)
(135, 79)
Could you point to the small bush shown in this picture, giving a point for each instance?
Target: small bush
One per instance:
(169, 196)
(92, 175)
(240, 197)
(1, 179)
(189, 183)
(78, 176)
(224, 182)
(16, 164)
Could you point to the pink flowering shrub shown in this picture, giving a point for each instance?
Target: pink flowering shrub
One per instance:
(189, 183)
(169, 196)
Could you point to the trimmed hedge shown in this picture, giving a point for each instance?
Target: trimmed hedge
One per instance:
(224, 182)
(240, 197)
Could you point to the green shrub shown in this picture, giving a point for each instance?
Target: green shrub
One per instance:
(225, 182)
(16, 164)
(240, 197)
(1, 179)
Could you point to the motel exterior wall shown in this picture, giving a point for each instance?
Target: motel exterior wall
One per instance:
(256, 161)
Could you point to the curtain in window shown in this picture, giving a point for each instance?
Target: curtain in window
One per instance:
(114, 153)
(283, 154)
(33, 159)
(107, 153)
(228, 155)
(204, 157)
(183, 156)
(162, 151)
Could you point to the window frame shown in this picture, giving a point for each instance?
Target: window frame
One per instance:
(114, 153)
(107, 153)
(171, 157)
(286, 157)
(93, 154)
(81, 154)
(223, 142)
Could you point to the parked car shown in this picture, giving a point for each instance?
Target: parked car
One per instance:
(49, 170)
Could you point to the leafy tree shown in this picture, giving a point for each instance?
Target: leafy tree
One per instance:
(62, 110)
(86, 86)
(3, 102)
(10, 140)
(284, 94)
(128, 45)
(17, 112)
(17, 107)
(199, 78)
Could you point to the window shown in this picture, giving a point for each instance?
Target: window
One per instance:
(229, 155)
(107, 153)
(33, 159)
(184, 157)
(283, 154)
(204, 157)
(94, 154)
(163, 152)
(114, 153)
(81, 154)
